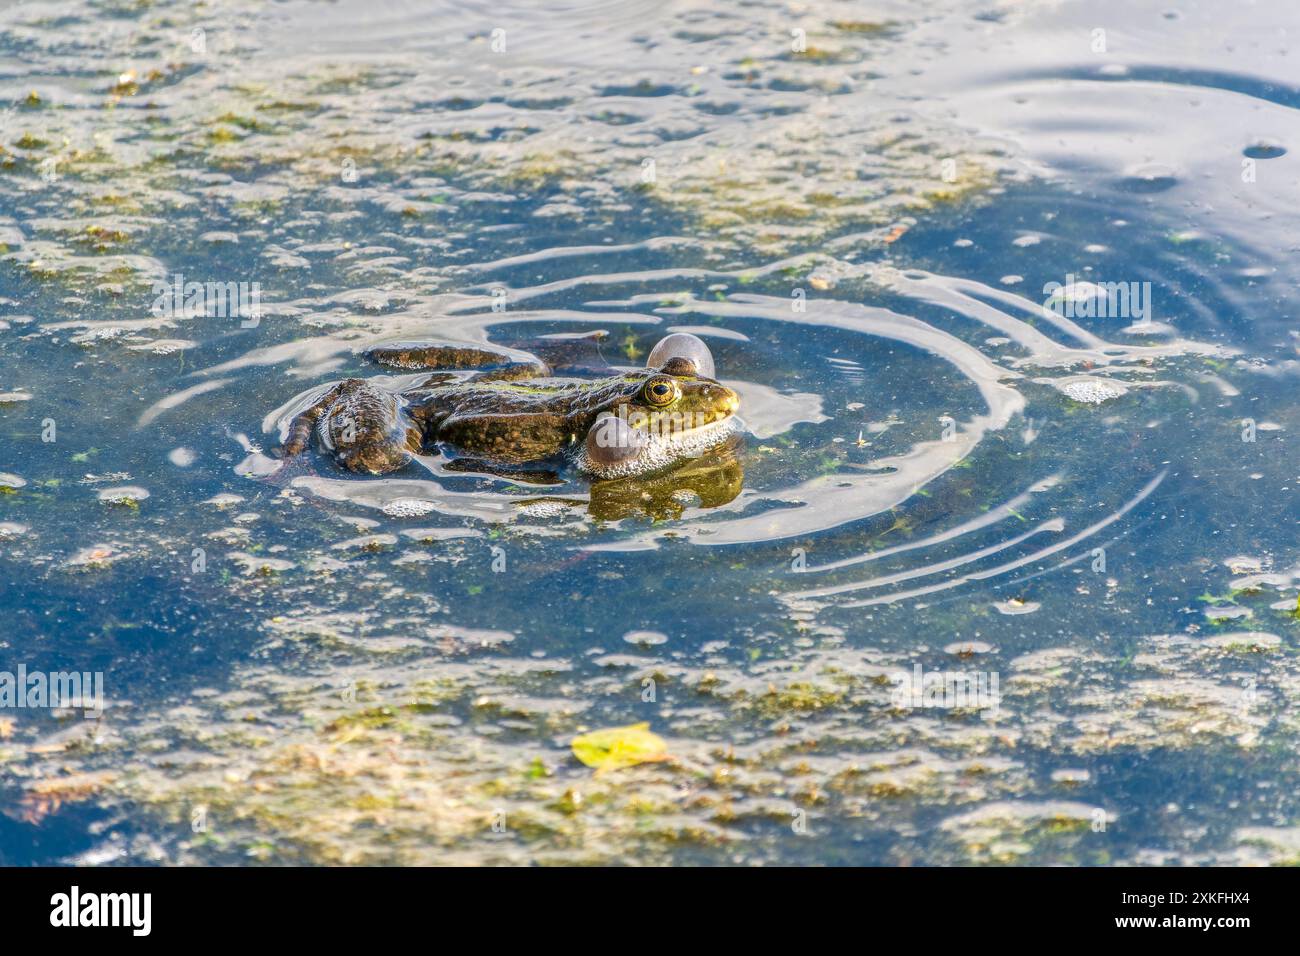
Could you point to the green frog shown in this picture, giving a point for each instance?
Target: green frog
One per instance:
(513, 411)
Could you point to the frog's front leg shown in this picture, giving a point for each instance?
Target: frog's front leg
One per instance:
(365, 427)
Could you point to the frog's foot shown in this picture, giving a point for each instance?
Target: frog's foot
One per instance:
(510, 372)
(562, 355)
(524, 474)
(570, 354)
(365, 427)
(419, 356)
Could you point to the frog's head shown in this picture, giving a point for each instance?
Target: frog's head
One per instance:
(660, 416)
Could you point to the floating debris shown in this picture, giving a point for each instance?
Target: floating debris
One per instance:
(182, 457)
(224, 500)
(96, 556)
(968, 648)
(645, 638)
(258, 564)
(128, 496)
(1016, 606)
(367, 542)
(1071, 776)
(618, 747)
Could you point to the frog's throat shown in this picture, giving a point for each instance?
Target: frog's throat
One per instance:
(663, 450)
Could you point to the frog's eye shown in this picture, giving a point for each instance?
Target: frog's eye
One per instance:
(662, 391)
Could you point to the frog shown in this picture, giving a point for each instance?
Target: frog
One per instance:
(527, 413)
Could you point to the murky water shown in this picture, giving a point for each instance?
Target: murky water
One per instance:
(1081, 496)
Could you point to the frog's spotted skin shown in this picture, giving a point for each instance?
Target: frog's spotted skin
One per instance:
(514, 413)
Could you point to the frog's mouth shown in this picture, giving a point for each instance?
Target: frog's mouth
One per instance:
(703, 434)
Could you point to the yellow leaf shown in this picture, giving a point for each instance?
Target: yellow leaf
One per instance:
(617, 747)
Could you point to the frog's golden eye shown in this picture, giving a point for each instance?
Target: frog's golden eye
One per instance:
(662, 391)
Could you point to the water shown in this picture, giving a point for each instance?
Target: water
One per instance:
(1096, 510)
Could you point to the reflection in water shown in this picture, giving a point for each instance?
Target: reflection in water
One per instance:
(709, 481)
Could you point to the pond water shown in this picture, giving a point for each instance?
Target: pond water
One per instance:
(1005, 290)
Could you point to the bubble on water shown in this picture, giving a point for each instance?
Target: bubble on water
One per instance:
(12, 398)
(181, 457)
(1147, 327)
(95, 556)
(968, 648)
(11, 529)
(1088, 389)
(413, 557)
(1071, 776)
(1025, 241)
(1245, 564)
(225, 500)
(1077, 292)
(106, 333)
(358, 522)
(1012, 280)
(253, 564)
(408, 507)
(645, 638)
(124, 495)
(543, 509)
(11, 481)
(163, 346)
(1216, 614)
(1016, 606)
(367, 542)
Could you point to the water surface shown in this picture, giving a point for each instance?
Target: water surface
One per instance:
(941, 470)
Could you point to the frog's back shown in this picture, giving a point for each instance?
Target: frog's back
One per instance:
(509, 421)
